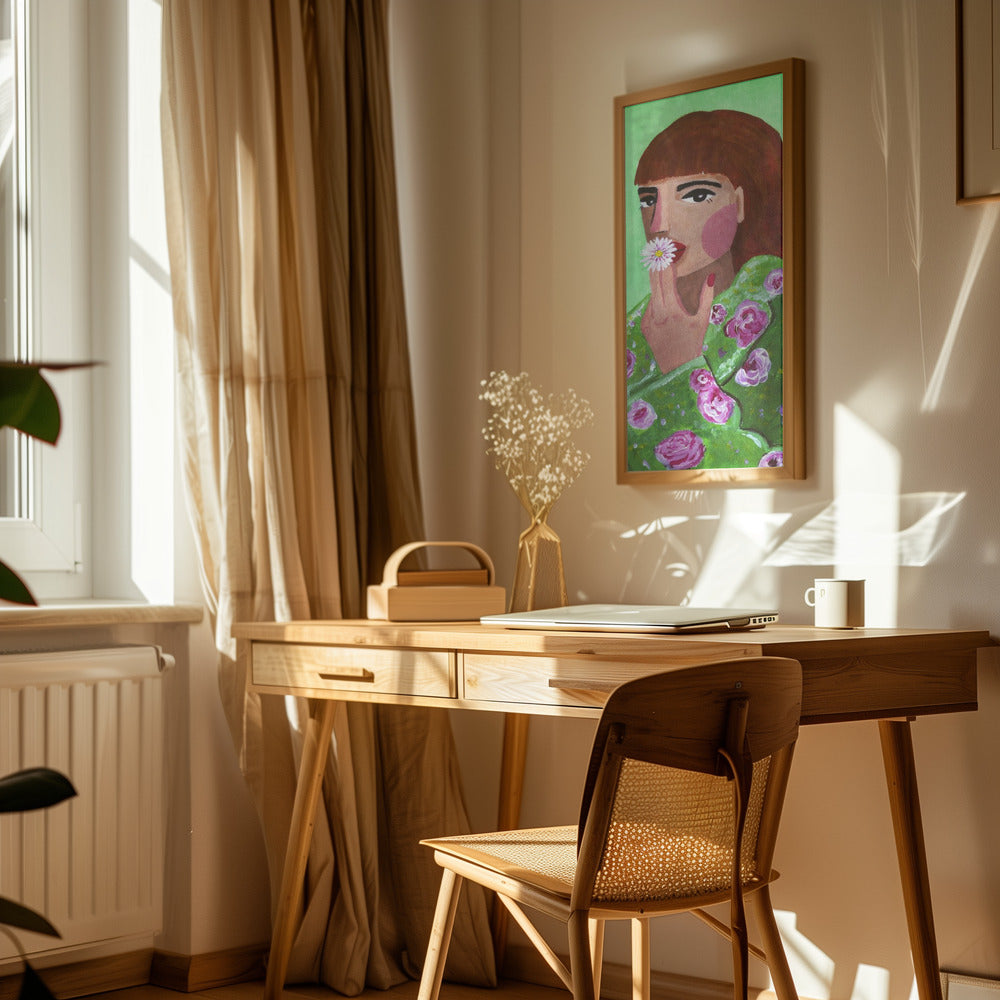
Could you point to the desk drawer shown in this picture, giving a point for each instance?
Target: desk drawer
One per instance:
(580, 682)
(428, 673)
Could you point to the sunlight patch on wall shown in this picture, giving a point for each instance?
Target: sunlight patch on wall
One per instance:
(871, 983)
(747, 535)
(719, 555)
(925, 522)
(151, 338)
(653, 527)
(987, 224)
(811, 968)
(866, 478)
(747, 526)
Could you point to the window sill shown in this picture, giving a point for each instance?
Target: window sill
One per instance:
(78, 614)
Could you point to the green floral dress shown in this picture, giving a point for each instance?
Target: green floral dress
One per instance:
(723, 410)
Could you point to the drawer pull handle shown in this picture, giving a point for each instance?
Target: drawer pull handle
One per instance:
(580, 684)
(348, 674)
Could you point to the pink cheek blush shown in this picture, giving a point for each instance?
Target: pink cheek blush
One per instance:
(720, 231)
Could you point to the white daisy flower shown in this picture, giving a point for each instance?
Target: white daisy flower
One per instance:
(659, 253)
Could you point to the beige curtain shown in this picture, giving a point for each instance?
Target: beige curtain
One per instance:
(299, 454)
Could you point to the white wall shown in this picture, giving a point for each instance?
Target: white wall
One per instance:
(504, 144)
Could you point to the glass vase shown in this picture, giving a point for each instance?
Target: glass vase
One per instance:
(539, 581)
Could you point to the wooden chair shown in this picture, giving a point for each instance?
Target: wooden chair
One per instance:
(680, 810)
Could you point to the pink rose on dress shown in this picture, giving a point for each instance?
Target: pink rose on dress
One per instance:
(772, 460)
(629, 363)
(755, 369)
(718, 314)
(682, 450)
(748, 324)
(641, 415)
(715, 406)
(775, 282)
(702, 379)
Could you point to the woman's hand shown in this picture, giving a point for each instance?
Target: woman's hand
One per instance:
(674, 335)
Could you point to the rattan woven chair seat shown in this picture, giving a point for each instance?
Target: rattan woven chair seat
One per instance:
(544, 857)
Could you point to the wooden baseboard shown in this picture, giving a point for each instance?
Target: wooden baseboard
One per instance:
(93, 975)
(183, 973)
(191, 973)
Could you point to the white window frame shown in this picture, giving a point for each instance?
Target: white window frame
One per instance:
(49, 546)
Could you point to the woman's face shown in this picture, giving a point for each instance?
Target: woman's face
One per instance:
(699, 212)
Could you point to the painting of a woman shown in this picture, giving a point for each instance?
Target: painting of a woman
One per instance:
(703, 364)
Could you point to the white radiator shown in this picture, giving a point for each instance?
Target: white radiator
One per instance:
(92, 865)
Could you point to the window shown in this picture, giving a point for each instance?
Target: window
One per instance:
(94, 516)
(44, 281)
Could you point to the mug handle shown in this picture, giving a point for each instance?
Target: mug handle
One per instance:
(812, 591)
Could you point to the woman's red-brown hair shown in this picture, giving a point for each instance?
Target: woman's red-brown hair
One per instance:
(743, 148)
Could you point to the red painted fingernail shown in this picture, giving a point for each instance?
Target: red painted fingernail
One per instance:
(711, 281)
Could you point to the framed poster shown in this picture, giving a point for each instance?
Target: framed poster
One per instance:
(977, 42)
(709, 269)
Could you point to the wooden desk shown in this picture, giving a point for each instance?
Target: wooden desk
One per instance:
(890, 675)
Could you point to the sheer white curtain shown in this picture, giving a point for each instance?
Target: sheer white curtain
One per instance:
(299, 451)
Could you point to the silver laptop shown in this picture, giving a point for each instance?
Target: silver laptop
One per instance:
(655, 618)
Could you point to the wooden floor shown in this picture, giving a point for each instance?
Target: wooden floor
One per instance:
(408, 991)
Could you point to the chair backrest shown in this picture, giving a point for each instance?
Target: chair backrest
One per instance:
(688, 774)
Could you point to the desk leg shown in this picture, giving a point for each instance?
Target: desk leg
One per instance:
(315, 746)
(901, 780)
(515, 745)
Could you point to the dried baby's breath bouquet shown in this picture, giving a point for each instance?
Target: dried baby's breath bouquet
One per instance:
(530, 439)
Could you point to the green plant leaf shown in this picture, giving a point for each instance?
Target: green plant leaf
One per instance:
(12, 587)
(15, 915)
(32, 987)
(34, 788)
(27, 402)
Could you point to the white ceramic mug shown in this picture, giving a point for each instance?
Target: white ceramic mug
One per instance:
(838, 603)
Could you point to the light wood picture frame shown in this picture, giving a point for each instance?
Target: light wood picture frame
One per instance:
(977, 91)
(709, 279)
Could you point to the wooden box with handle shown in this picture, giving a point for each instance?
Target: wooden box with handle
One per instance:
(436, 595)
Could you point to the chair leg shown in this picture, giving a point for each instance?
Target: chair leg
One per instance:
(597, 951)
(640, 959)
(741, 959)
(777, 962)
(437, 947)
(580, 964)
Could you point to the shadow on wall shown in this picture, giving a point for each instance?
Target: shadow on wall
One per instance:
(722, 557)
(716, 558)
(813, 969)
(904, 66)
